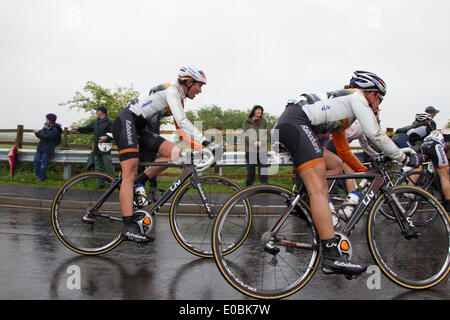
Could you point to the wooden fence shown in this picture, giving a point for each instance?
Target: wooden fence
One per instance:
(20, 130)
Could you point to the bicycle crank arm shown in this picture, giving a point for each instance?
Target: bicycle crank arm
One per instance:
(298, 245)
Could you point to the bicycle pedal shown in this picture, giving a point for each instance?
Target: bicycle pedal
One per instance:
(351, 276)
(328, 271)
(143, 244)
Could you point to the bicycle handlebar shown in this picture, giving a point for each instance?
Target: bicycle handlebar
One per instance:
(209, 162)
(384, 159)
(197, 159)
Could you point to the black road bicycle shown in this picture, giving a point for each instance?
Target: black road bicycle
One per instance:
(427, 179)
(281, 250)
(89, 221)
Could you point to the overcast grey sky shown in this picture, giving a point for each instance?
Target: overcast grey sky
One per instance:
(253, 52)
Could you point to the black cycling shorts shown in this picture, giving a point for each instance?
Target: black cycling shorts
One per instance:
(299, 139)
(435, 151)
(131, 135)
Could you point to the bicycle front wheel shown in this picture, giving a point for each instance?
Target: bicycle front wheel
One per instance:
(79, 228)
(250, 268)
(419, 262)
(189, 218)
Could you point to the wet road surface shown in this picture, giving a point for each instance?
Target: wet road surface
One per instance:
(35, 265)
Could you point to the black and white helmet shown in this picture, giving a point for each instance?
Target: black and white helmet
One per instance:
(422, 117)
(368, 81)
(192, 72)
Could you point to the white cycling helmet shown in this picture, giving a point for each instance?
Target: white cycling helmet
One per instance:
(368, 81)
(191, 72)
(423, 117)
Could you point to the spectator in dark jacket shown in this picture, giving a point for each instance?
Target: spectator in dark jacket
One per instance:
(432, 111)
(256, 136)
(100, 127)
(50, 137)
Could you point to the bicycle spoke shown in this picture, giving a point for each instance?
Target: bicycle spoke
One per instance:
(417, 262)
(193, 230)
(72, 204)
(250, 268)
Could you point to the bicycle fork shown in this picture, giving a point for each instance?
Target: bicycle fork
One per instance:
(197, 183)
(408, 229)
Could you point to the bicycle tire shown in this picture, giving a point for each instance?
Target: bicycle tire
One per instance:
(416, 263)
(252, 270)
(69, 206)
(422, 180)
(189, 221)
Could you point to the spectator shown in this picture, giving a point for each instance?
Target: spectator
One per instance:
(50, 137)
(256, 145)
(100, 127)
(432, 111)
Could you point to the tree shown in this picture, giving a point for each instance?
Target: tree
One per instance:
(94, 95)
(213, 117)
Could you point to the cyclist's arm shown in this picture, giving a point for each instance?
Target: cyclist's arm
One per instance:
(344, 152)
(186, 138)
(356, 132)
(373, 131)
(365, 145)
(181, 121)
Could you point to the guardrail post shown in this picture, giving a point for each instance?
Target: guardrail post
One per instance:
(19, 136)
(67, 173)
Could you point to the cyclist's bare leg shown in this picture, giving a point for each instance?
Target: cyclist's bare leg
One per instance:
(169, 153)
(334, 164)
(316, 186)
(415, 177)
(350, 183)
(315, 181)
(445, 182)
(129, 172)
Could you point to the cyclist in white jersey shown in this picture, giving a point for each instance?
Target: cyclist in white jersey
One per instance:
(130, 135)
(435, 146)
(307, 116)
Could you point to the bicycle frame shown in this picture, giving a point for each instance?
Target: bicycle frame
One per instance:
(188, 172)
(380, 181)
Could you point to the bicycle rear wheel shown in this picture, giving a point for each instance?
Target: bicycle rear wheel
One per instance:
(250, 268)
(89, 234)
(189, 219)
(415, 263)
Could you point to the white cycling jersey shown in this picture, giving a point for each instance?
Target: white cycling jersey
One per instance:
(339, 109)
(355, 131)
(169, 99)
(439, 137)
